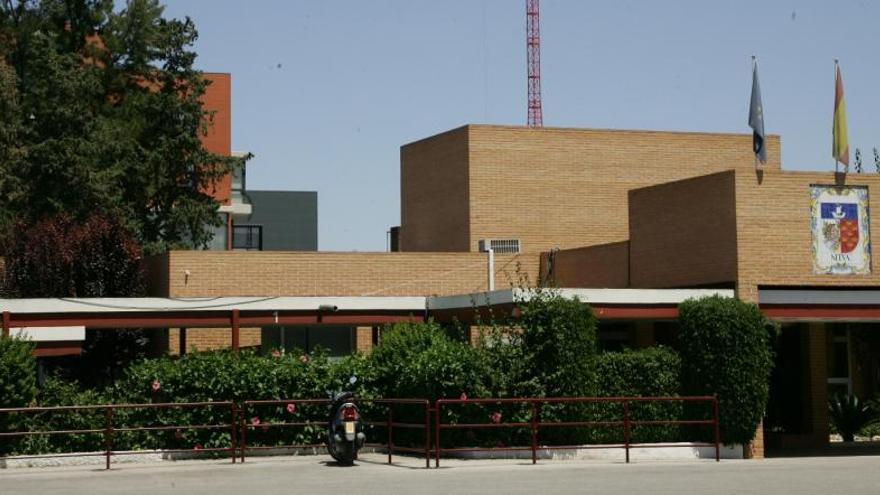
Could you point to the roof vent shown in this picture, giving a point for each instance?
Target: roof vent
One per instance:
(501, 246)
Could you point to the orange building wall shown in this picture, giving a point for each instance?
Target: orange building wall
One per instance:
(218, 101)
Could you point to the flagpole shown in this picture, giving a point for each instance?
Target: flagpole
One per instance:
(834, 119)
(754, 67)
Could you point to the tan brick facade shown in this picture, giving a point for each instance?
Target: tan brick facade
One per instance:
(684, 233)
(268, 273)
(740, 227)
(773, 230)
(434, 193)
(605, 266)
(363, 339)
(552, 187)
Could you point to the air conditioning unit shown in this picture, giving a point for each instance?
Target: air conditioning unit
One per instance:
(501, 246)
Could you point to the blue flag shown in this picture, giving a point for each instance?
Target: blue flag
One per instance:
(756, 118)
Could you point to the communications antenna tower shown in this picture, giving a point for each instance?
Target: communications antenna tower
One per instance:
(533, 51)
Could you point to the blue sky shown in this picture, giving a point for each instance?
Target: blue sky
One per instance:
(325, 91)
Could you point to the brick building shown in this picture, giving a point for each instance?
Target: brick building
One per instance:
(591, 209)
(630, 221)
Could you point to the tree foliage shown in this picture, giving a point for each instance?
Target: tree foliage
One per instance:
(102, 108)
(60, 257)
(97, 257)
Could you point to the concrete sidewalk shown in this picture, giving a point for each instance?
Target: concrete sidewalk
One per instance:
(317, 474)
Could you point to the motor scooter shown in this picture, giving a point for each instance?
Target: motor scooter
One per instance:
(345, 431)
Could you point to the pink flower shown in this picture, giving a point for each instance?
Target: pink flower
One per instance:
(276, 353)
(156, 385)
(291, 407)
(198, 446)
(255, 420)
(495, 417)
(463, 396)
(304, 358)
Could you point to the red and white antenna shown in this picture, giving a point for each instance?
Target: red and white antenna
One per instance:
(533, 50)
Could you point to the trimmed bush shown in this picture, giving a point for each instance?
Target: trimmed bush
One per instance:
(18, 372)
(421, 360)
(18, 382)
(559, 343)
(651, 372)
(549, 351)
(725, 350)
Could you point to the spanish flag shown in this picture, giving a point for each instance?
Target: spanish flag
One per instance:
(840, 146)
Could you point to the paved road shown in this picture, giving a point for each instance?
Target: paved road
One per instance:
(313, 474)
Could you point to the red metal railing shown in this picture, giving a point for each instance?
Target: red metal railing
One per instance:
(626, 423)
(293, 405)
(109, 429)
(241, 422)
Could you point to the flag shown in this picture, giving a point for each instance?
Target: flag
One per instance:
(756, 119)
(840, 146)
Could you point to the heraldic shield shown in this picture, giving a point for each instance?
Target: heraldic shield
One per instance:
(840, 229)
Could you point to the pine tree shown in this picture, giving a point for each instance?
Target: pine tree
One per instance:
(101, 110)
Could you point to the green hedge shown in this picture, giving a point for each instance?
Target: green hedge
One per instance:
(651, 372)
(549, 352)
(559, 343)
(18, 381)
(197, 377)
(725, 351)
(421, 360)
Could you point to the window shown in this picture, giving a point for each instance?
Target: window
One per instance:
(247, 237)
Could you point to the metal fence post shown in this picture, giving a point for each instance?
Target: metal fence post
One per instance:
(626, 428)
(390, 432)
(427, 434)
(243, 429)
(717, 430)
(534, 432)
(232, 429)
(108, 434)
(437, 405)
